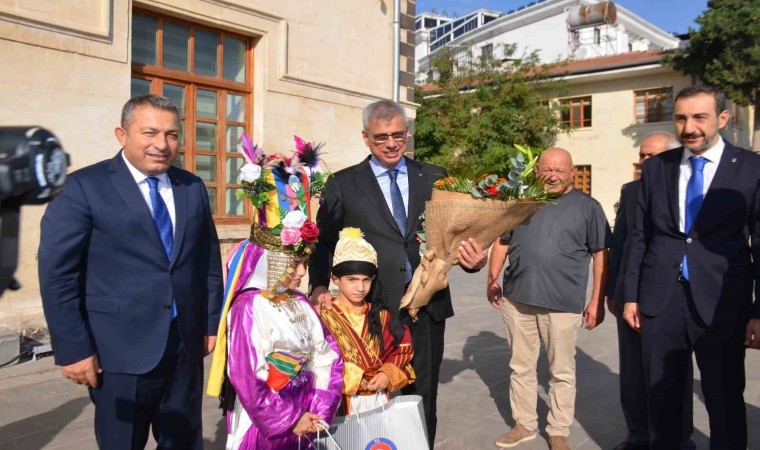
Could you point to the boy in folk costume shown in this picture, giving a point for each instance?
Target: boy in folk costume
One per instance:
(377, 348)
(277, 371)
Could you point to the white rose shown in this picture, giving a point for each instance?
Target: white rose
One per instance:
(250, 173)
(294, 219)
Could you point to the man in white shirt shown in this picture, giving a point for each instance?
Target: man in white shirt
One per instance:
(690, 272)
(131, 282)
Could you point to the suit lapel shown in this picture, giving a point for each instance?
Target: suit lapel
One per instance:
(125, 185)
(367, 183)
(729, 162)
(179, 190)
(417, 188)
(672, 173)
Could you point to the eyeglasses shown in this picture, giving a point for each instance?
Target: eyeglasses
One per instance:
(548, 172)
(399, 137)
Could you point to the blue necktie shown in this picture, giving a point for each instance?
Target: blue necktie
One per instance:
(399, 215)
(694, 197)
(163, 222)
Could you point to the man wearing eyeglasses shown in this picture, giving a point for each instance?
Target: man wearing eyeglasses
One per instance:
(384, 196)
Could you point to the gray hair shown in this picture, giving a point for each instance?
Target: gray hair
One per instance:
(672, 140)
(152, 100)
(384, 110)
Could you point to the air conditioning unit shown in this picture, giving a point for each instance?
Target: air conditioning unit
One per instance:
(580, 53)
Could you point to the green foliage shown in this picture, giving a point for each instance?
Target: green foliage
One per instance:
(725, 51)
(257, 191)
(470, 123)
(521, 181)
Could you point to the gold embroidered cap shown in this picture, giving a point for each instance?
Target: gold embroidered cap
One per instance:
(351, 246)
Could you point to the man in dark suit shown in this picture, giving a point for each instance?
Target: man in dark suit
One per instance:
(384, 196)
(692, 260)
(131, 281)
(632, 387)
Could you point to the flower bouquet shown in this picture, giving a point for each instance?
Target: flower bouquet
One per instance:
(482, 209)
(281, 220)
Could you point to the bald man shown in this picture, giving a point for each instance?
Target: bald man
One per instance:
(633, 398)
(544, 297)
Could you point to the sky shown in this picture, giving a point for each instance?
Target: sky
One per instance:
(673, 16)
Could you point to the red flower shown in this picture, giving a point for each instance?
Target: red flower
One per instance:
(309, 232)
(491, 190)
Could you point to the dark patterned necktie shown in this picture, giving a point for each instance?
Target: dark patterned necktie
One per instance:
(399, 215)
(163, 222)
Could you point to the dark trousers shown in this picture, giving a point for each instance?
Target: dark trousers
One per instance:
(668, 341)
(427, 341)
(633, 392)
(168, 398)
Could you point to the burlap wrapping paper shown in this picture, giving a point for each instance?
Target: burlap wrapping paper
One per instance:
(451, 218)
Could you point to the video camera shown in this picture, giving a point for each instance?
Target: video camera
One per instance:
(32, 172)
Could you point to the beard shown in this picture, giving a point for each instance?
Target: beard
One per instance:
(708, 142)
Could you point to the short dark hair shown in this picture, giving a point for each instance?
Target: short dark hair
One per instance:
(691, 91)
(152, 100)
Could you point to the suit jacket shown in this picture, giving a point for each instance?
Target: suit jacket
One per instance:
(722, 263)
(106, 284)
(353, 199)
(624, 220)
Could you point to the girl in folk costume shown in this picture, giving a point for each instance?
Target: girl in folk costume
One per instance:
(377, 348)
(277, 370)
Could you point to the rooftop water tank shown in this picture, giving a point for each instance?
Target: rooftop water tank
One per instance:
(602, 13)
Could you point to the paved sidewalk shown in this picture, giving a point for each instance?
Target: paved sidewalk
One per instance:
(40, 410)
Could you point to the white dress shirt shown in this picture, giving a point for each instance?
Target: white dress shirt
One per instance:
(164, 189)
(713, 160)
(384, 180)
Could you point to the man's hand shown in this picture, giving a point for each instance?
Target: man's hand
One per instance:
(471, 255)
(379, 382)
(306, 424)
(494, 294)
(209, 342)
(632, 317)
(321, 296)
(83, 372)
(611, 306)
(593, 315)
(752, 337)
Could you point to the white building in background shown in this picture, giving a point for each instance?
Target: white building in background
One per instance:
(618, 90)
(557, 29)
(433, 31)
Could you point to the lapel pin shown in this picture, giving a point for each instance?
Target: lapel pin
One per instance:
(733, 160)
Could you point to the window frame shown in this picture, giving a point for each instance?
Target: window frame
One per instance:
(568, 101)
(646, 92)
(192, 82)
(582, 177)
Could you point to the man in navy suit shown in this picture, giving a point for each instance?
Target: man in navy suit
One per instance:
(131, 281)
(693, 259)
(632, 387)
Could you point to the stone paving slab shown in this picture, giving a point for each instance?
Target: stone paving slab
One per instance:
(40, 410)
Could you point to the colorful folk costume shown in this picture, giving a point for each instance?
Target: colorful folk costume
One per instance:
(274, 361)
(367, 349)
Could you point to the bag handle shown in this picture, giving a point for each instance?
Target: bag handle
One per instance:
(321, 426)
